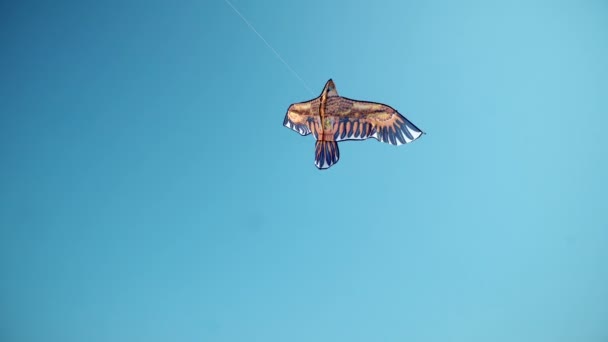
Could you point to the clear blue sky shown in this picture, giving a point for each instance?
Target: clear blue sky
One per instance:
(149, 191)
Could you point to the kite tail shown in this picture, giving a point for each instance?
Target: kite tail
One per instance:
(326, 154)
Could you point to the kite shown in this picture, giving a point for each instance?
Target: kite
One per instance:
(332, 118)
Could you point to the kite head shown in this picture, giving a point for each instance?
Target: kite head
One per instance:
(330, 89)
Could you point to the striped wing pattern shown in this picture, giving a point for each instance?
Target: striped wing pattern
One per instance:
(360, 120)
(304, 117)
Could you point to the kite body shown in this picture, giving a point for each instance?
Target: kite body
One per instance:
(332, 118)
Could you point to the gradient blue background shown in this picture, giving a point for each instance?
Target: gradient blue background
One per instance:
(149, 191)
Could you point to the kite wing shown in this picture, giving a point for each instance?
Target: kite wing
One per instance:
(360, 120)
(304, 117)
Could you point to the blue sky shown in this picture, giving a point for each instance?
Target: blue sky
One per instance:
(149, 192)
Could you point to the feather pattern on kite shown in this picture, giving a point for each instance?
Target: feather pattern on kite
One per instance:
(331, 118)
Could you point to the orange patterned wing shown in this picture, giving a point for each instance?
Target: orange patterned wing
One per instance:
(359, 120)
(304, 117)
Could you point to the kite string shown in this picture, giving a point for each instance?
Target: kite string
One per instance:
(270, 47)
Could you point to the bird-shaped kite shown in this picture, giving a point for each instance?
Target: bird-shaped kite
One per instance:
(332, 118)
